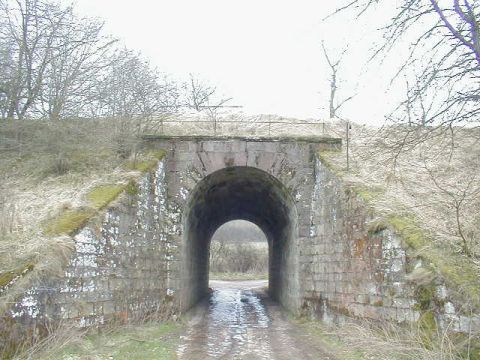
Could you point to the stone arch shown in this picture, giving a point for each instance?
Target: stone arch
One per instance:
(244, 193)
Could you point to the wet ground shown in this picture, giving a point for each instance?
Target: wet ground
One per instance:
(239, 321)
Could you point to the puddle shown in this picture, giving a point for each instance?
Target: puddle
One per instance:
(234, 325)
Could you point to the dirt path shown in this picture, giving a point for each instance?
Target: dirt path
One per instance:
(239, 321)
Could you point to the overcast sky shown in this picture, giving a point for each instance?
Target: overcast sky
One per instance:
(265, 54)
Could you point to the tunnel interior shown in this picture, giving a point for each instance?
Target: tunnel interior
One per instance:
(241, 193)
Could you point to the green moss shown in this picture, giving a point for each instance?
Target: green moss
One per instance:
(132, 188)
(7, 277)
(103, 195)
(157, 154)
(325, 157)
(455, 269)
(68, 222)
(146, 162)
(460, 275)
(411, 233)
(378, 303)
(367, 194)
(142, 166)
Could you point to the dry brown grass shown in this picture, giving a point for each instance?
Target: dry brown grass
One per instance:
(425, 180)
(46, 168)
(393, 342)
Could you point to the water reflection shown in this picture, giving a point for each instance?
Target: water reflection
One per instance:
(234, 325)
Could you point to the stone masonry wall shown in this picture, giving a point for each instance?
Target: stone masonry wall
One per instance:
(351, 267)
(134, 262)
(119, 270)
(190, 160)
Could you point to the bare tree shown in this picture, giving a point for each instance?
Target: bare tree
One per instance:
(31, 28)
(197, 93)
(334, 105)
(137, 95)
(80, 53)
(444, 52)
(460, 194)
(201, 96)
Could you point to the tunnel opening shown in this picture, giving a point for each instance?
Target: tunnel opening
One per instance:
(241, 193)
(238, 251)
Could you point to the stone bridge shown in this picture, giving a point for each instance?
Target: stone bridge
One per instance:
(328, 255)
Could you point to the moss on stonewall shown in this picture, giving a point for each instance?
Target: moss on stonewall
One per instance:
(146, 162)
(425, 296)
(453, 268)
(8, 277)
(407, 228)
(325, 157)
(103, 195)
(157, 154)
(69, 222)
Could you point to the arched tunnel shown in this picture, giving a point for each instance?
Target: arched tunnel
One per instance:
(241, 193)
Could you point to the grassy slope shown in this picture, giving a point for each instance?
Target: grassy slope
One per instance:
(414, 192)
(55, 177)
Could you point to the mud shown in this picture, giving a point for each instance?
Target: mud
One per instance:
(239, 321)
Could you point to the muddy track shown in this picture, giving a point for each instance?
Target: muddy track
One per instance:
(239, 321)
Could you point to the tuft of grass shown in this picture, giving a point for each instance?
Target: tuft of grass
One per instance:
(132, 188)
(332, 343)
(103, 195)
(428, 329)
(69, 222)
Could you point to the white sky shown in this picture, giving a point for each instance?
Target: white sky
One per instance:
(265, 54)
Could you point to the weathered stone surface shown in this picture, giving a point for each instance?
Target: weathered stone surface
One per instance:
(151, 252)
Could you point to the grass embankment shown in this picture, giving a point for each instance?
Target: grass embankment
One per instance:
(423, 184)
(155, 341)
(362, 341)
(55, 178)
